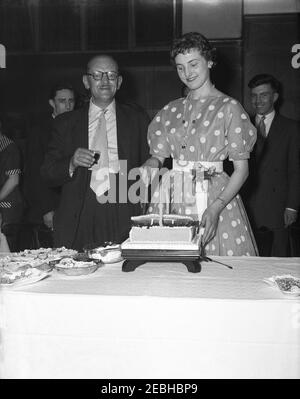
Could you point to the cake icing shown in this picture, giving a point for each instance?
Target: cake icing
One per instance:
(170, 228)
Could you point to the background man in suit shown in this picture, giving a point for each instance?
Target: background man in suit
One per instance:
(273, 188)
(41, 199)
(115, 131)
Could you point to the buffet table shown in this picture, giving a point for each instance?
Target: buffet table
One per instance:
(156, 322)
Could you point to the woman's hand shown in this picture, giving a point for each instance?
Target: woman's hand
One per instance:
(209, 221)
(152, 165)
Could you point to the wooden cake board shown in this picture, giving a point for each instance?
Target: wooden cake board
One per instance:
(137, 257)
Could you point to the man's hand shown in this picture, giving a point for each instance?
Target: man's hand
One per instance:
(290, 216)
(48, 219)
(82, 157)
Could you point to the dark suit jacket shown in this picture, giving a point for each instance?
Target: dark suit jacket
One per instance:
(70, 132)
(39, 197)
(274, 178)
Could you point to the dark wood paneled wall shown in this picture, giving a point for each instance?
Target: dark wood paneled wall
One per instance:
(151, 81)
(268, 40)
(149, 78)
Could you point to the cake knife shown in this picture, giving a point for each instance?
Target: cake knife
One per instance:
(207, 259)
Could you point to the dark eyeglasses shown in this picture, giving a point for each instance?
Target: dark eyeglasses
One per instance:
(111, 75)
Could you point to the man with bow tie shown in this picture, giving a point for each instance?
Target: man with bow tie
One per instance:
(86, 154)
(273, 188)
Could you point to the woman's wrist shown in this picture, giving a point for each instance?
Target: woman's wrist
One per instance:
(220, 202)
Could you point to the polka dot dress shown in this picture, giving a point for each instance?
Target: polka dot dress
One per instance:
(210, 129)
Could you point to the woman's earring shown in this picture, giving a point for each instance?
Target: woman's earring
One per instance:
(210, 64)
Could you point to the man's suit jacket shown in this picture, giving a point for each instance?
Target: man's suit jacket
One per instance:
(274, 178)
(71, 132)
(39, 197)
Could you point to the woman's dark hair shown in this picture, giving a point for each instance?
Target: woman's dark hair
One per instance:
(193, 40)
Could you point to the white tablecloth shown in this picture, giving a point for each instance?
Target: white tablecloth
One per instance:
(156, 322)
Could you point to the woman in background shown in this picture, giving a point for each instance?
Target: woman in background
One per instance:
(11, 204)
(199, 132)
(3, 241)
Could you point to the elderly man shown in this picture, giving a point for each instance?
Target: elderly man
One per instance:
(273, 189)
(41, 199)
(116, 132)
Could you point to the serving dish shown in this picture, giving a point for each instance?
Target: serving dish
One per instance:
(78, 265)
(42, 259)
(77, 271)
(287, 284)
(22, 277)
(107, 252)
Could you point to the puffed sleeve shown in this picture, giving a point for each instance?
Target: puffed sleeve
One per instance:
(157, 136)
(241, 134)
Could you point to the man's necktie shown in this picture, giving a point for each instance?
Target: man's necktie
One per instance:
(100, 172)
(261, 140)
(262, 127)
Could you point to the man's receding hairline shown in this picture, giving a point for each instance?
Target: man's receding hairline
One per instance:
(104, 56)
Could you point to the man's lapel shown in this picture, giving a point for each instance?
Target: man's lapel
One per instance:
(272, 144)
(80, 138)
(82, 129)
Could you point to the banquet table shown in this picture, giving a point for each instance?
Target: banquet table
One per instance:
(159, 321)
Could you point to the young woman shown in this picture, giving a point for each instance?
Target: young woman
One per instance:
(199, 132)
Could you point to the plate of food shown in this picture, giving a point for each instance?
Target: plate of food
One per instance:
(287, 284)
(48, 254)
(44, 252)
(107, 252)
(12, 265)
(42, 258)
(22, 276)
(78, 265)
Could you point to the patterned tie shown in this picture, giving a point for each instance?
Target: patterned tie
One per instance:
(262, 127)
(100, 171)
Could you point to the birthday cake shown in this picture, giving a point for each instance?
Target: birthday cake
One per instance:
(175, 228)
(168, 231)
